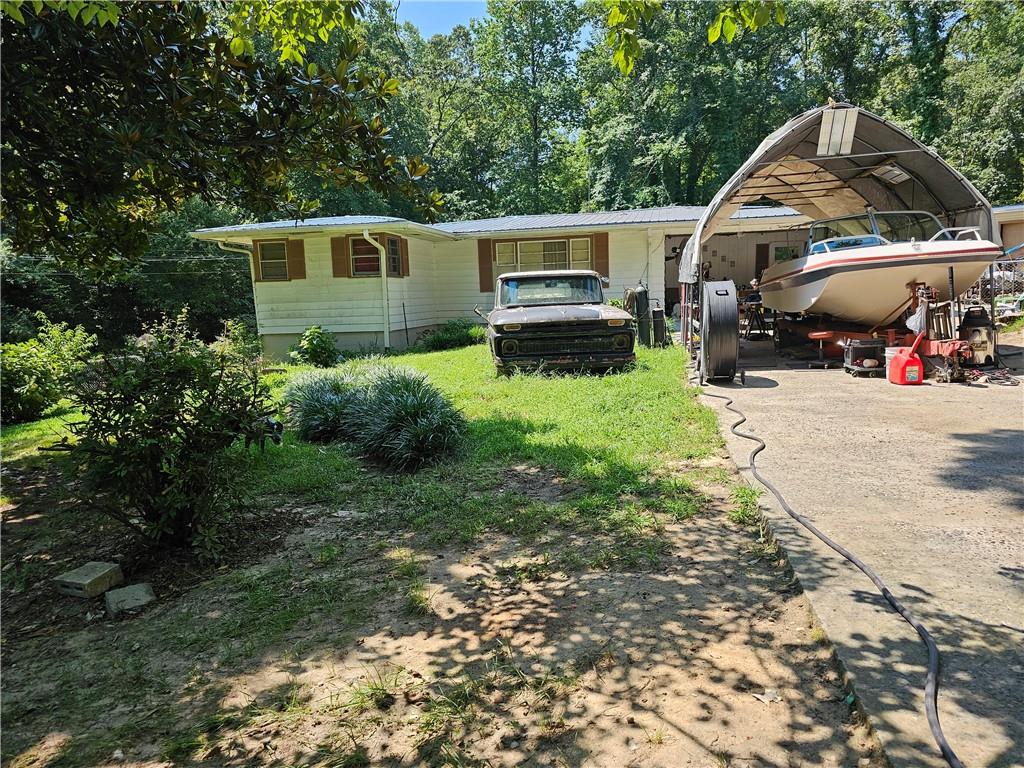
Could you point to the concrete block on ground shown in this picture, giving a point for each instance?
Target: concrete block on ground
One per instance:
(129, 598)
(90, 580)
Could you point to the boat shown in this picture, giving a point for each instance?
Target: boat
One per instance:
(862, 268)
(886, 214)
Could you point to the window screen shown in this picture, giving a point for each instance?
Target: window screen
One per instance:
(538, 255)
(505, 255)
(580, 253)
(394, 248)
(365, 258)
(274, 261)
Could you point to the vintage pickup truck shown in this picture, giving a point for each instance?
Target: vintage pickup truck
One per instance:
(557, 319)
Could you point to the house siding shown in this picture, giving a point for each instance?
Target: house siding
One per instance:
(443, 284)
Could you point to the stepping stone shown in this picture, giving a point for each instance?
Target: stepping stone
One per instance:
(90, 580)
(129, 598)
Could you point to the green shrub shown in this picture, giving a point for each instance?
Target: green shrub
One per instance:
(34, 373)
(405, 420)
(615, 303)
(316, 347)
(238, 339)
(319, 405)
(160, 417)
(392, 414)
(453, 334)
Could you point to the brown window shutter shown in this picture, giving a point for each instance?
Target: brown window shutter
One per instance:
(257, 273)
(296, 260)
(341, 265)
(405, 257)
(601, 253)
(486, 262)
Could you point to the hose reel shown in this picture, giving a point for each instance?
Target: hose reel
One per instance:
(719, 331)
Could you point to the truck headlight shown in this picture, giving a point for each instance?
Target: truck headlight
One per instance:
(620, 342)
(509, 346)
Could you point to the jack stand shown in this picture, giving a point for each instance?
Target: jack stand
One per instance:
(821, 337)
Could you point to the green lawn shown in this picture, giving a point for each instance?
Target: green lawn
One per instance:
(608, 437)
(624, 449)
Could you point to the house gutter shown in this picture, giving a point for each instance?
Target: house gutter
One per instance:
(384, 299)
(247, 251)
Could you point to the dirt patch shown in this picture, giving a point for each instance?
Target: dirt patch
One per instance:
(380, 650)
(47, 531)
(536, 483)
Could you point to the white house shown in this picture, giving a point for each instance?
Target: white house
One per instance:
(327, 271)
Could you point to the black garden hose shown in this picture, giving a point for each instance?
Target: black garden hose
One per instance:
(931, 686)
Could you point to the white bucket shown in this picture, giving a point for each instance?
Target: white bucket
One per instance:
(890, 353)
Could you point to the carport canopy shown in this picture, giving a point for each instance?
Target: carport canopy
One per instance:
(839, 160)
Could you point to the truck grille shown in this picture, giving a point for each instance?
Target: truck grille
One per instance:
(565, 346)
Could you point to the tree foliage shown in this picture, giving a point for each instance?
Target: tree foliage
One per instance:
(107, 125)
(34, 373)
(175, 271)
(524, 110)
(160, 415)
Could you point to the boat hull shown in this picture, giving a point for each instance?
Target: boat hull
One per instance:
(869, 285)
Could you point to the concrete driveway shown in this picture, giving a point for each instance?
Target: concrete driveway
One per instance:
(926, 484)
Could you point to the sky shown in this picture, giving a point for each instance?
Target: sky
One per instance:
(433, 17)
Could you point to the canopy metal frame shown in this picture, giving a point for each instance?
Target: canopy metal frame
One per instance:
(788, 169)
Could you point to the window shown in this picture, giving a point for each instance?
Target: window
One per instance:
(365, 258)
(902, 227)
(505, 256)
(538, 255)
(786, 253)
(579, 250)
(393, 247)
(273, 260)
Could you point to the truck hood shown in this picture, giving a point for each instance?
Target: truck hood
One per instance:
(558, 313)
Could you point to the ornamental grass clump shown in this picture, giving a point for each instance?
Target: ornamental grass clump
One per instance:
(406, 420)
(394, 415)
(321, 406)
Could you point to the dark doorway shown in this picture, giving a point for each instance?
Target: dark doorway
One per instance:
(760, 259)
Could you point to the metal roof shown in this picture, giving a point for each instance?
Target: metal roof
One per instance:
(664, 215)
(838, 160)
(669, 214)
(323, 221)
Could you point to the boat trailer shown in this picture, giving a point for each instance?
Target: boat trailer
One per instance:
(953, 337)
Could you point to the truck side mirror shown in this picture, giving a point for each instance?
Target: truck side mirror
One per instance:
(605, 281)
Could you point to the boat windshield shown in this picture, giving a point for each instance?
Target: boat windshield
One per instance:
(904, 226)
(864, 230)
(540, 290)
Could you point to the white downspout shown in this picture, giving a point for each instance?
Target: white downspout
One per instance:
(384, 299)
(248, 251)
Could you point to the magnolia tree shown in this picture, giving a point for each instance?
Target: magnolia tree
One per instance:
(116, 112)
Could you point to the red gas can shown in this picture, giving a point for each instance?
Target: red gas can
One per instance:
(906, 367)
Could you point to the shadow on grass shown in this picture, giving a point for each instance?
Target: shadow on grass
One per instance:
(505, 667)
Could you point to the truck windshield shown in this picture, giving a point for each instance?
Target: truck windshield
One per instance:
(541, 290)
